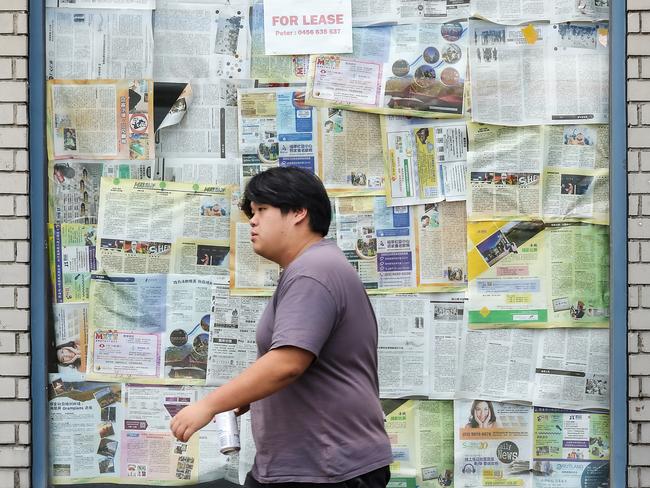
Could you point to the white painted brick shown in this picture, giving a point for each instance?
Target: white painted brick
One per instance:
(11, 319)
(22, 206)
(633, 390)
(639, 455)
(21, 24)
(633, 204)
(636, 228)
(645, 385)
(14, 366)
(17, 46)
(16, 183)
(633, 253)
(20, 66)
(22, 391)
(7, 478)
(21, 114)
(23, 343)
(638, 45)
(632, 114)
(633, 68)
(638, 274)
(6, 162)
(7, 434)
(639, 410)
(22, 297)
(13, 91)
(20, 5)
(7, 342)
(14, 274)
(22, 160)
(638, 183)
(6, 206)
(633, 160)
(639, 364)
(14, 228)
(24, 434)
(632, 344)
(645, 21)
(633, 22)
(15, 410)
(14, 456)
(638, 137)
(22, 252)
(633, 296)
(13, 136)
(7, 388)
(6, 114)
(638, 90)
(7, 251)
(6, 69)
(7, 23)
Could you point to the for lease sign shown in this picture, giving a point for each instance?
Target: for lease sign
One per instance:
(307, 27)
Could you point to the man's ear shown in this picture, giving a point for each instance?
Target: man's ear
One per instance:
(301, 215)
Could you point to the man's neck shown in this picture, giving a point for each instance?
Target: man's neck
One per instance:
(300, 247)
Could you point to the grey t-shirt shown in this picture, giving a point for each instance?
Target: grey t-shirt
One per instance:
(328, 425)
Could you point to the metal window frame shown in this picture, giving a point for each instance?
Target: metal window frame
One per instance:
(39, 274)
(618, 244)
(39, 302)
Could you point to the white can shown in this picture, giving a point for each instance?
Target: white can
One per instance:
(227, 432)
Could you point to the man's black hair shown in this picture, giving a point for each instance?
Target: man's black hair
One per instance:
(289, 188)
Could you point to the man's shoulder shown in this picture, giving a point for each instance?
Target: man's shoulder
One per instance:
(322, 256)
(325, 263)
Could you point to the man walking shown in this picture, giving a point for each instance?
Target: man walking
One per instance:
(313, 390)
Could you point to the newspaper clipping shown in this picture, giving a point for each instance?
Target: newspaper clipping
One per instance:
(558, 173)
(528, 274)
(426, 161)
(351, 158)
(276, 128)
(73, 194)
(201, 40)
(161, 227)
(209, 127)
(98, 44)
(416, 70)
(100, 119)
(508, 62)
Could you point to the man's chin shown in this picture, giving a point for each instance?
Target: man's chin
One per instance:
(258, 249)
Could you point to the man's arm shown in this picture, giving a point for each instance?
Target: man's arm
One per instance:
(270, 373)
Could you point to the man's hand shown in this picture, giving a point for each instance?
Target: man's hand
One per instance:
(190, 419)
(273, 371)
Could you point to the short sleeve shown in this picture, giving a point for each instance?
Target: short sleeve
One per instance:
(305, 315)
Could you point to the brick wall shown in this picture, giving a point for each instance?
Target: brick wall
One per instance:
(14, 248)
(638, 114)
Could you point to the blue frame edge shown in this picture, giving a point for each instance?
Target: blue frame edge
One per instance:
(38, 294)
(618, 244)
